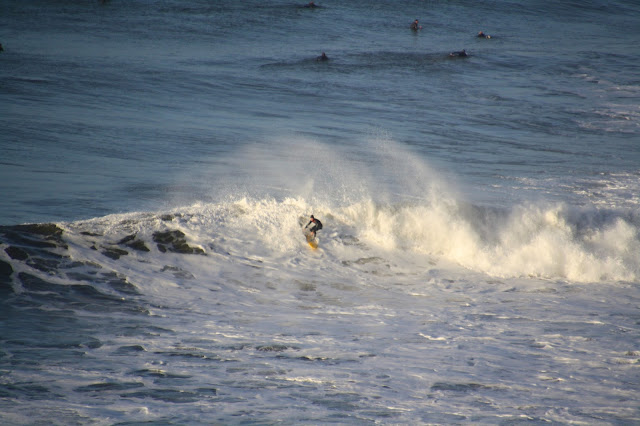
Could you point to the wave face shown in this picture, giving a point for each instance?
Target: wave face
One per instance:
(221, 309)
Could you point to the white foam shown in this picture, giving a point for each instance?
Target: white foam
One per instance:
(396, 209)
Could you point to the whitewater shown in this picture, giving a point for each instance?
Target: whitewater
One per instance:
(416, 308)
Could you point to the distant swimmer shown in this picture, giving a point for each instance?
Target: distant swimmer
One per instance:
(1, 48)
(311, 5)
(415, 26)
(322, 57)
(483, 35)
(461, 54)
(314, 225)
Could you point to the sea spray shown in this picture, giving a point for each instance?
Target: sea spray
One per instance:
(391, 200)
(534, 240)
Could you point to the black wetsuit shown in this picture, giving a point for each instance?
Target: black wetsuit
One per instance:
(317, 225)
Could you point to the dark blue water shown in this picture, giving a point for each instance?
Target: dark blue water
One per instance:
(106, 106)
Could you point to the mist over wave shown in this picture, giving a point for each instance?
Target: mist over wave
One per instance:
(395, 206)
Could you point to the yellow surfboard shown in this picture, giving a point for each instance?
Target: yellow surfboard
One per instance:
(313, 243)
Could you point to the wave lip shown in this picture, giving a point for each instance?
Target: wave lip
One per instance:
(539, 241)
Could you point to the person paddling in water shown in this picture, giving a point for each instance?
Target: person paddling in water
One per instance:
(314, 225)
(460, 54)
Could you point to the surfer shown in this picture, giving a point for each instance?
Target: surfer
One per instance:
(459, 54)
(1, 48)
(481, 34)
(322, 57)
(415, 26)
(316, 225)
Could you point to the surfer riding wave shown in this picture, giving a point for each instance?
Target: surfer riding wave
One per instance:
(313, 226)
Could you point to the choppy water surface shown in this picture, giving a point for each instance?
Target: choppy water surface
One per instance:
(480, 256)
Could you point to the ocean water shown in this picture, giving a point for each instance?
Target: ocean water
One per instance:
(480, 257)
